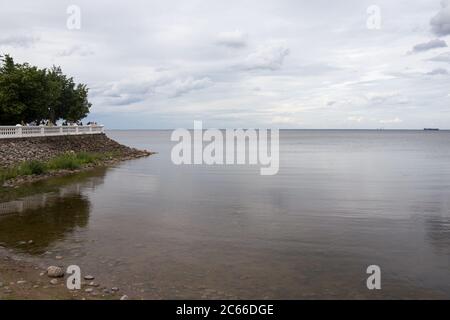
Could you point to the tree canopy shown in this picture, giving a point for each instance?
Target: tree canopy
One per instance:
(29, 94)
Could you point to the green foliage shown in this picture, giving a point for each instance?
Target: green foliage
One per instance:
(36, 167)
(66, 161)
(30, 94)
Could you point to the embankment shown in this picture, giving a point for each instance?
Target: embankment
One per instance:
(16, 151)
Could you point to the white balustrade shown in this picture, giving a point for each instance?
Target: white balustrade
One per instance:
(45, 131)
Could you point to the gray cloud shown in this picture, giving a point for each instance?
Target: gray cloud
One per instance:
(162, 85)
(432, 44)
(443, 57)
(440, 23)
(155, 64)
(19, 41)
(233, 39)
(438, 71)
(76, 50)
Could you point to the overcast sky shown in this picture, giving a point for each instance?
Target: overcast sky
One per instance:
(286, 64)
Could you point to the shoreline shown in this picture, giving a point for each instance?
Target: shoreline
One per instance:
(23, 280)
(41, 151)
(26, 179)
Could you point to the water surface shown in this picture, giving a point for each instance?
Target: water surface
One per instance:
(342, 200)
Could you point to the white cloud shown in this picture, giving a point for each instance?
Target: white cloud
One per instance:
(268, 57)
(355, 119)
(391, 121)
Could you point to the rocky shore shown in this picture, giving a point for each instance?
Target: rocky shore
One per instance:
(23, 280)
(16, 151)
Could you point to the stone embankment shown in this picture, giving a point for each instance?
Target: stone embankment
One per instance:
(17, 150)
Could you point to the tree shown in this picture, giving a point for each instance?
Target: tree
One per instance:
(28, 94)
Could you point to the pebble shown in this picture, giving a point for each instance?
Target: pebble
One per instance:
(124, 297)
(114, 289)
(58, 257)
(93, 284)
(21, 282)
(30, 242)
(89, 277)
(88, 290)
(54, 281)
(55, 272)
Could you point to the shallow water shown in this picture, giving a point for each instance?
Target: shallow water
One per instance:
(342, 200)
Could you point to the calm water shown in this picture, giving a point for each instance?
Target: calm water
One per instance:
(341, 201)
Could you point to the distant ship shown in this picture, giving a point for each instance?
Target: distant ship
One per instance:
(431, 129)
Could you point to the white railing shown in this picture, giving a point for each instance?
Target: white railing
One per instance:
(42, 131)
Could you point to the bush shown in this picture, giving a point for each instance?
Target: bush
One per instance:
(36, 167)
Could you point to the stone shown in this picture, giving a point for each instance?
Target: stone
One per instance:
(58, 257)
(124, 297)
(89, 277)
(88, 290)
(21, 282)
(55, 272)
(114, 289)
(54, 281)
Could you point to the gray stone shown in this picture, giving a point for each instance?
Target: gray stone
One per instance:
(89, 277)
(55, 272)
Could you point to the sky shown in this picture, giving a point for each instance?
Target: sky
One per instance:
(238, 64)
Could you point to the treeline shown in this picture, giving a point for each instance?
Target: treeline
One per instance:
(29, 94)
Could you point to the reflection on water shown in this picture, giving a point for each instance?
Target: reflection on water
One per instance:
(342, 200)
(61, 216)
(44, 218)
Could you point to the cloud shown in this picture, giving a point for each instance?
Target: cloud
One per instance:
(128, 91)
(269, 57)
(21, 41)
(233, 39)
(355, 119)
(443, 57)
(181, 87)
(76, 50)
(391, 121)
(440, 23)
(438, 71)
(432, 44)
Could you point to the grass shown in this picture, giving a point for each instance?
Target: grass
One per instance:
(68, 161)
